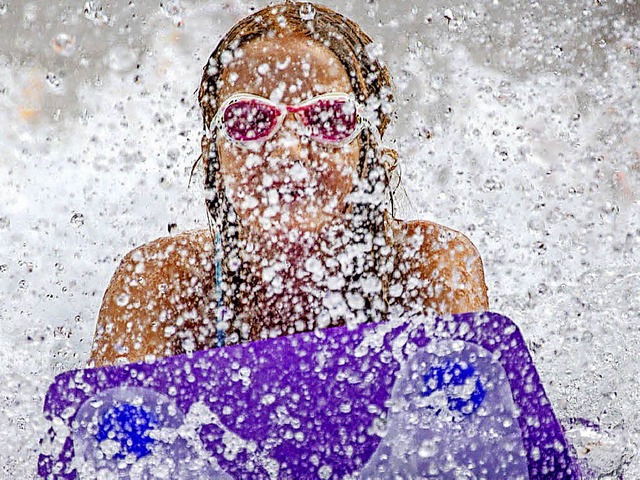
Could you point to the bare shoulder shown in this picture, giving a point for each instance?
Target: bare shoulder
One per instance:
(189, 251)
(155, 289)
(422, 236)
(446, 262)
(165, 265)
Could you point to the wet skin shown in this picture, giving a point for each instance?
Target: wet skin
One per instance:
(290, 195)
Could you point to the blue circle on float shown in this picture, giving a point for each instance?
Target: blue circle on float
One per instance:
(129, 425)
(448, 375)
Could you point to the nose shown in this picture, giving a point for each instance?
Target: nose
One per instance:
(290, 141)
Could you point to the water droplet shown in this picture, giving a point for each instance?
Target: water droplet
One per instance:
(493, 184)
(313, 265)
(428, 449)
(268, 399)
(122, 300)
(93, 11)
(335, 282)
(173, 10)
(122, 59)
(30, 15)
(77, 220)
(325, 471)
(53, 81)
(63, 44)
(307, 12)
(536, 224)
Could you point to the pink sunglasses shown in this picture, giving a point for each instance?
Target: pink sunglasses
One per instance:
(247, 119)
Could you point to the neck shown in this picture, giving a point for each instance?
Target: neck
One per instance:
(293, 247)
(297, 281)
(286, 276)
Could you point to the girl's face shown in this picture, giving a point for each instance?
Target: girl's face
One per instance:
(289, 182)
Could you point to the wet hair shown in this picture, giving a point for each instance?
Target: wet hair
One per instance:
(371, 84)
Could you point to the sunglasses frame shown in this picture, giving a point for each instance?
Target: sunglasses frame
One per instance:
(218, 123)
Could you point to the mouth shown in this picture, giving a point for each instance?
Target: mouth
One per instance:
(290, 191)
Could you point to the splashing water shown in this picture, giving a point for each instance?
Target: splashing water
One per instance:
(516, 125)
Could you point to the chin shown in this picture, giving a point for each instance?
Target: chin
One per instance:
(285, 223)
(287, 226)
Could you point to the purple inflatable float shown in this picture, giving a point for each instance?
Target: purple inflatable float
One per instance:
(454, 397)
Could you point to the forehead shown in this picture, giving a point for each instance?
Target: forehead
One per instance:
(286, 69)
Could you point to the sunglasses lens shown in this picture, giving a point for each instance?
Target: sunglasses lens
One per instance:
(249, 120)
(331, 120)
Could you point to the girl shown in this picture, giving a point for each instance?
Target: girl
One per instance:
(297, 185)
